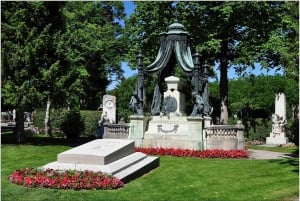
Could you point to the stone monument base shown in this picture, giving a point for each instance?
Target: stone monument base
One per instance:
(174, 132)
(276, 139)
(111, 156)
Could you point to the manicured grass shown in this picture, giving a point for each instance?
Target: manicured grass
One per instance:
(175, 179)
(290, 150)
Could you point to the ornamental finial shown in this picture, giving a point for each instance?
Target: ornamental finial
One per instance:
(176, 15)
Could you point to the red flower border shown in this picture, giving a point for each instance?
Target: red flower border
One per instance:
(215, 153)
(76, 180)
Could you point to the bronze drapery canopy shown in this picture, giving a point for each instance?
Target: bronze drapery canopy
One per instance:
(175, 46)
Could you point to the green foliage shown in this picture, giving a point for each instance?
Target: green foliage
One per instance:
(293, 131)
(90, 119)
(123, 93)
(72, 124)
(260, 92)
(56, 118)
(96, 55)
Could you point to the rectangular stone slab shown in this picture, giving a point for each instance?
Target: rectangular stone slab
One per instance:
(97, 152)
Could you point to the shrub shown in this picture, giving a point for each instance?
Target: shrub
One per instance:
(57, 116)
(72, 124)
(293, 131)
(91, 119)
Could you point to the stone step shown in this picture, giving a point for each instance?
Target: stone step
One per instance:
(111, 168)
(138, 169)
(125, 162)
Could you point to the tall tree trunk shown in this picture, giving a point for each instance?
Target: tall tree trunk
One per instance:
(19, 129)
(48, 132)
(224, 86)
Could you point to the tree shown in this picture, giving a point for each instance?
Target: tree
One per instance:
(93, 42)
(123, 93)
(60, 57)
(27, 49)
(227, 34)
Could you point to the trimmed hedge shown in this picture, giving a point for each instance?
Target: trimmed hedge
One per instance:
(57, 116)
(91, 119)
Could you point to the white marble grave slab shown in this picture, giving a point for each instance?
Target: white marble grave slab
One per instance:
(97, 152)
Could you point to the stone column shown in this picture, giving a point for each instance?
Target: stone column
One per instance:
(195, 127)
(240, 135)
(137, 128)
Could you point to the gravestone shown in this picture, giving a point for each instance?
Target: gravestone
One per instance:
(278, 134)
(109, 107)
(111, 156)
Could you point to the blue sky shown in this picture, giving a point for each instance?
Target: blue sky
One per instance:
(129, 9)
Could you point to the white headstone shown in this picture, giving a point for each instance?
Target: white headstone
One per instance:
(109, 107)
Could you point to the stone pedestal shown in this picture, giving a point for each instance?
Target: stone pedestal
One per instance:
(174, 90)
(137, 128)
(276, 140)
(174, 132)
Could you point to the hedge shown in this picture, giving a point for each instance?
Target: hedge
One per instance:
(90, 119)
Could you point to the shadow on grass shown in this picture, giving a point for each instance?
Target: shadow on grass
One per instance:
(43, 141)
(292, 160)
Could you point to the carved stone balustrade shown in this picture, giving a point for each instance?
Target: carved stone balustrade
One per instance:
(116, 131)
(226, 137)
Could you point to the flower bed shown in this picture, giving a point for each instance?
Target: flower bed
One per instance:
(215, 153)
(64, 180)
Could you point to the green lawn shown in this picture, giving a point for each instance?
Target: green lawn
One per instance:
(175, 179)
(291, 150)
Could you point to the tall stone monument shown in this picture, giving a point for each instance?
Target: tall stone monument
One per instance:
(278, 134)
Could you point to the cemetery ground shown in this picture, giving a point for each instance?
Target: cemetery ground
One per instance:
(177, 178)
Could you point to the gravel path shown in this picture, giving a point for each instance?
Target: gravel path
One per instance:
(261, 154)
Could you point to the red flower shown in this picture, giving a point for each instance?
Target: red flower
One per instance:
(215, 153)
(68, 180)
